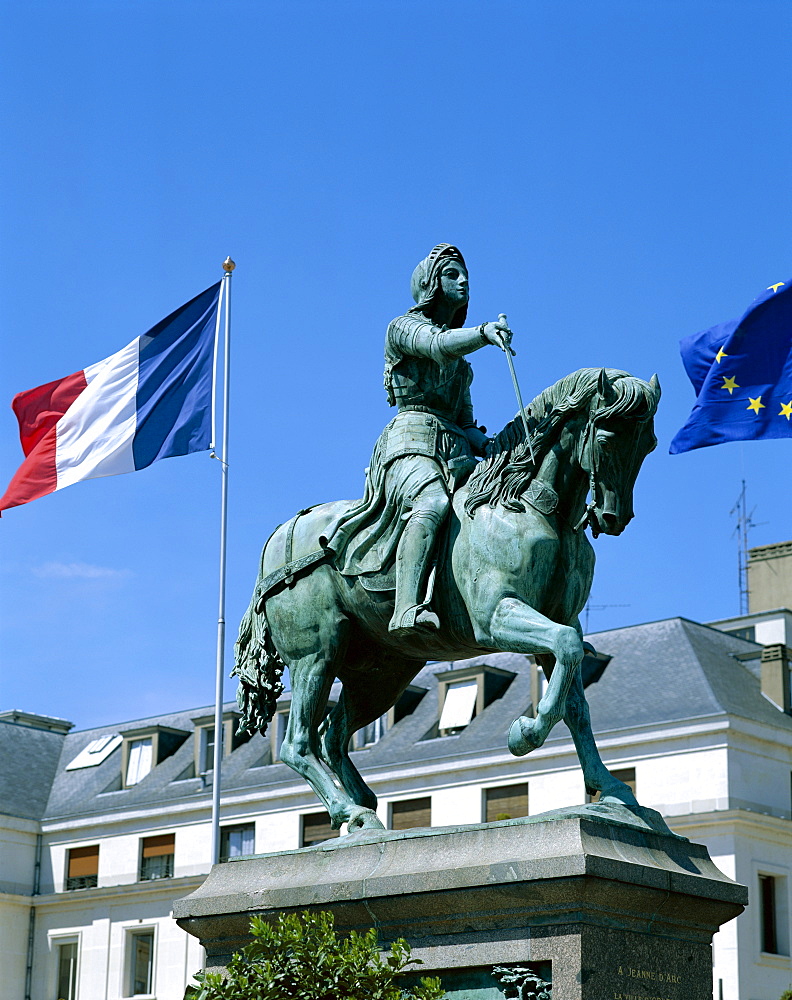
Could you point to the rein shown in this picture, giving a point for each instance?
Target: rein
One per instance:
(589, 508)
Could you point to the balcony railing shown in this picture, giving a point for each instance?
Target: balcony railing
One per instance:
(157, 867)
(81, 882)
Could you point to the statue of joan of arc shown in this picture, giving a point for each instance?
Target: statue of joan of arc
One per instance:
(427, 448)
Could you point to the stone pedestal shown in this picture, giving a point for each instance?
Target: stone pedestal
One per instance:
(602, 900)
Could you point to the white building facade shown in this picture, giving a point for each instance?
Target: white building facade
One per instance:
(103, 829)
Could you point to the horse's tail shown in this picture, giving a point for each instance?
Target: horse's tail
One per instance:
(259, 667)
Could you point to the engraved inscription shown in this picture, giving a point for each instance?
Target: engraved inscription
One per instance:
(636, 996)
(644, 976)
(649, 975)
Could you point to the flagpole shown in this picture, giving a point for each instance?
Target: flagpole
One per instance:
(228, 267)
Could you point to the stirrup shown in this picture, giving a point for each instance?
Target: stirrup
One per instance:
(416, 617)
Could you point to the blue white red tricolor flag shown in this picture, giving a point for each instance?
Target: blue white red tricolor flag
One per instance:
(150, 400)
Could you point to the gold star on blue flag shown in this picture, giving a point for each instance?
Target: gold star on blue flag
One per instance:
(742, 374)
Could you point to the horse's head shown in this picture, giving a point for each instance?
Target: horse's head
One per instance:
(596, 425)
(619, 436)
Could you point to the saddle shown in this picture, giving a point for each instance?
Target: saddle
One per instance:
(541, 497)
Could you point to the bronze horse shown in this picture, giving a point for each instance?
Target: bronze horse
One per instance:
(513, 573)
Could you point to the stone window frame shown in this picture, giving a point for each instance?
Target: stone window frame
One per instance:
(782, 887)
(130, 932)
(54, 941)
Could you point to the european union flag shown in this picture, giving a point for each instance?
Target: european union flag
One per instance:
(742, 374)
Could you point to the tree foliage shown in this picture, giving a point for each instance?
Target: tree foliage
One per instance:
(302, 957)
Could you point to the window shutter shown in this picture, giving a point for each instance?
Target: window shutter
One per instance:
(84, 861)
(316, 828)
(140, 756)
(410, 813)
(156, 847)
(506, 802)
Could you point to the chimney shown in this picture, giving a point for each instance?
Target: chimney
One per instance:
(770, 577)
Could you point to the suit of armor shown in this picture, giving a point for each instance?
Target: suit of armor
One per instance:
(424, 451)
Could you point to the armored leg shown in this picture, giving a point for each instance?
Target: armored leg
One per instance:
(413, 558)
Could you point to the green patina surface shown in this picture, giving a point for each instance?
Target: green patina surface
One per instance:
(445, 556)
(480, 984)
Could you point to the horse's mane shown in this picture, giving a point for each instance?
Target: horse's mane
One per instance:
(506, 472)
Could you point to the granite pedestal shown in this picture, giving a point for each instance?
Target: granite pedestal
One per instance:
(602, 900)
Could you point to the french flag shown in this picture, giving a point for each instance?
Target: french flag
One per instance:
(150, 400)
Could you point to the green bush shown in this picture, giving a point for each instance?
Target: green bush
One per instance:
(786, 995)
(303, 958)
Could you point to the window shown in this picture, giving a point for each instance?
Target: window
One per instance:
(279, 731)
(156, 858)
(141, 963)
(139, 762)
(506, 802)
(749, 633)
(314, 828)
(67, 971)
(204, 740)
(97, 751)
(768, 918)
(208, 741)
(145, 747)
(410, 813)
(372, 733)
(237, 841)
(459, 706)
(626, 774)
(83, 867)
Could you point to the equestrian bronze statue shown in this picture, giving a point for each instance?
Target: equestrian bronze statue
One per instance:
(447, 555)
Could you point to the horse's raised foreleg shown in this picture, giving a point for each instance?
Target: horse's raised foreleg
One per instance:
(596, 776)
(516, 627)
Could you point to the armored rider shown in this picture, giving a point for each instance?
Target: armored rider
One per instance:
(426, 449)
(431, 442)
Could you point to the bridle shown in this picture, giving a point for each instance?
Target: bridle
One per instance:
(589, 443)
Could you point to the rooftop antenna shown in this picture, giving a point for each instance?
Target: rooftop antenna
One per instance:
(745, 522)
(599, 607)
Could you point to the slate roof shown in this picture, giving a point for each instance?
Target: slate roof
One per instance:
(28, 764)
(676, 669)
(661, 672)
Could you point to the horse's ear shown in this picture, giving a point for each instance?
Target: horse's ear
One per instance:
(654, 385)
(605, 388)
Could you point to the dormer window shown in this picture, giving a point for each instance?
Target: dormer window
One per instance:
(372, 733)
(142, 749)
(138, 760)
(205, 739)
(465, 692)
(277, 729)
(459, 705)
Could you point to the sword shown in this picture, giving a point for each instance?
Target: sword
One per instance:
(508, 352)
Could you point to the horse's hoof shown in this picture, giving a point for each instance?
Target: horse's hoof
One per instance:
(522, 738)
(620, 794)
(364, 819)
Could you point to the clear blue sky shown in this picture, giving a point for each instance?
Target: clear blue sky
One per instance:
(617, 175)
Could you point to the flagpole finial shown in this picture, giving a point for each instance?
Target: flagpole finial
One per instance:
(228, 265)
